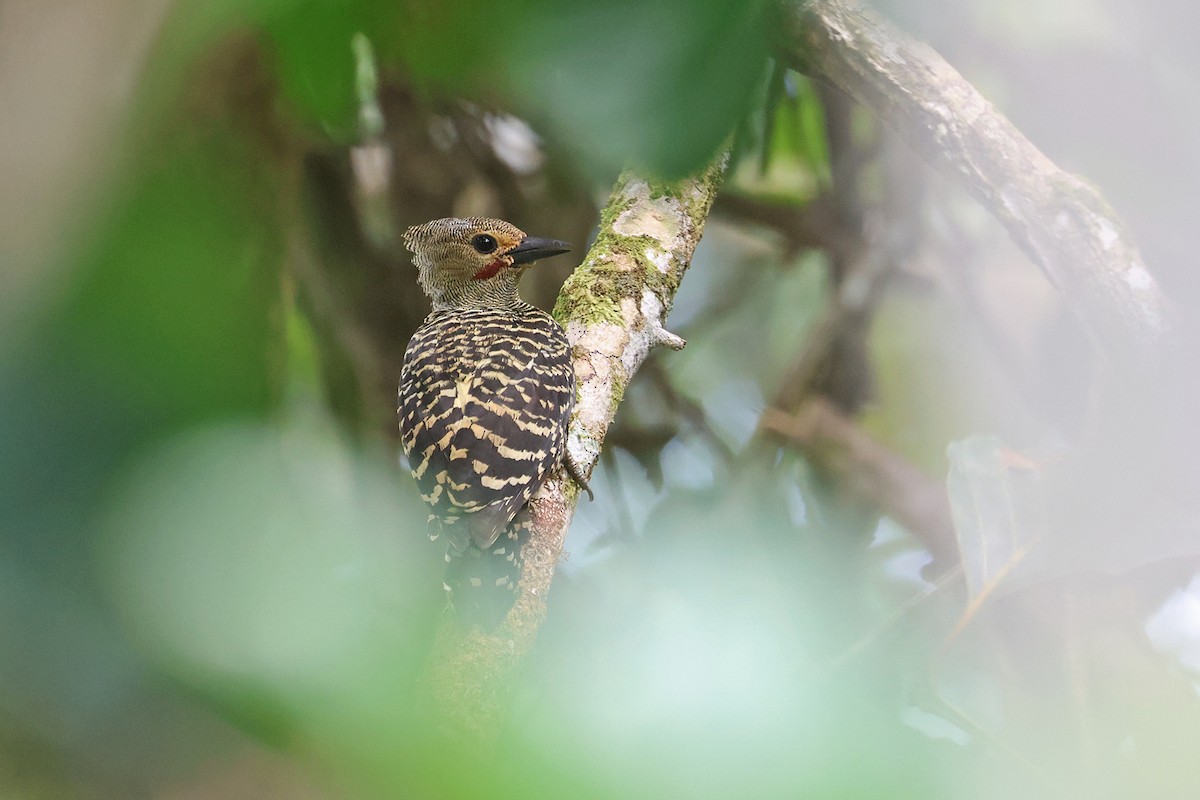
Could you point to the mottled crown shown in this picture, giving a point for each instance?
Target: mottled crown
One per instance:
(458, 231)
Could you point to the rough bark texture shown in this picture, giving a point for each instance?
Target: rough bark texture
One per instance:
(1060, 220)
(614, 308)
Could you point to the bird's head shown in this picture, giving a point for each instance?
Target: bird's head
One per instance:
(474, 262)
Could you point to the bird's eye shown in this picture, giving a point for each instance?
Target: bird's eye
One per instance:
(484, 243)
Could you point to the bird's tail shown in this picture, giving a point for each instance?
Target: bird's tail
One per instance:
(483, 582)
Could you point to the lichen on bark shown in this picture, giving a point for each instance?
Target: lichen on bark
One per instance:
(614, 309)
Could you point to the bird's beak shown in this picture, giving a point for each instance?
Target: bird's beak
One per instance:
(532, 248)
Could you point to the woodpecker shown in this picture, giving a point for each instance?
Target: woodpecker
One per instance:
(486, 392)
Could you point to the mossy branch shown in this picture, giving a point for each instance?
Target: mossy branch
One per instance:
(614, 308)
(1060, 220)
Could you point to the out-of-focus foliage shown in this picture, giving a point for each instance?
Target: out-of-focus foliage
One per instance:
(629, 77)
(618, 81)
(212, 584)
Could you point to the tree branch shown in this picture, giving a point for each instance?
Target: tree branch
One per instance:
(614, 307)
(872, 473)
(1060, 221)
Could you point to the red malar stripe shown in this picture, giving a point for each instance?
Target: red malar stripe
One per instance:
(490, 270)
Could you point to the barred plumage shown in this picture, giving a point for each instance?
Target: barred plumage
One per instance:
(486, 392)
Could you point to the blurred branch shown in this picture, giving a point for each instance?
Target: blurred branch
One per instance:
(690, 411)
(1061, 221)
(872, 472)
(614, 307)
(814, 225)
(850, 302)
(865, 239)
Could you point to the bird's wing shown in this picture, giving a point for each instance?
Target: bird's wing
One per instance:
(483, 419)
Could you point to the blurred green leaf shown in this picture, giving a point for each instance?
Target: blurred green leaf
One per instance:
(659, 85)
(775, 95)
(167, 320)
(462, 44)
(316, 64)
(262, 565)
(704, 673)
(813, 142)
(171, 311)
(793, 163)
